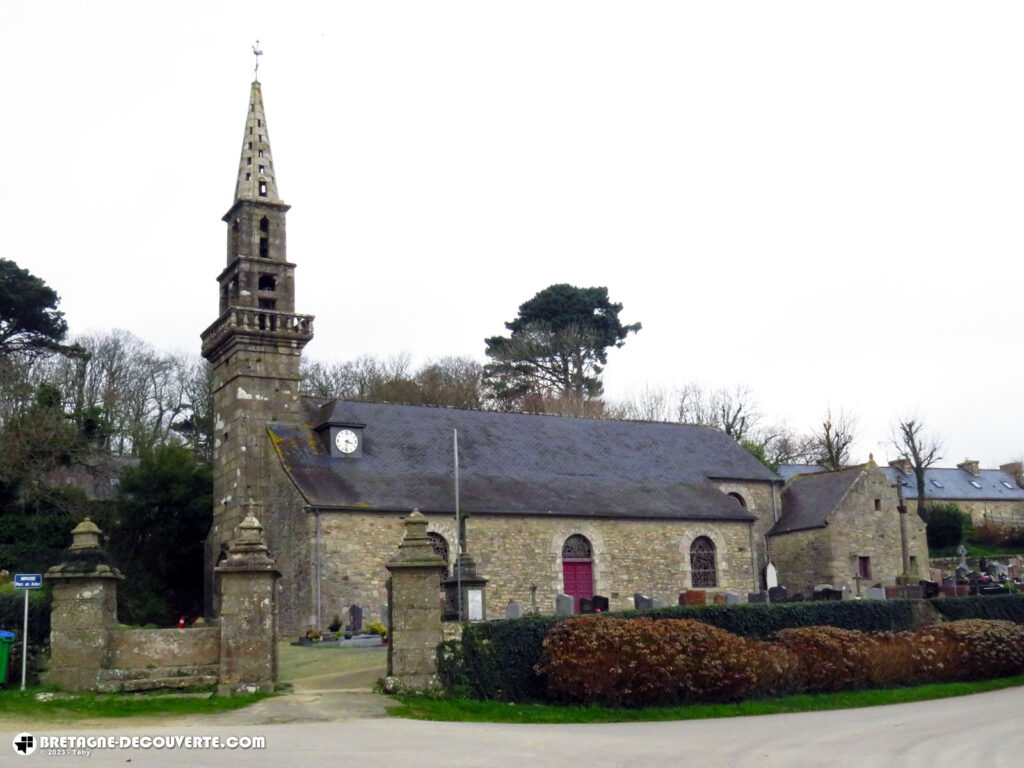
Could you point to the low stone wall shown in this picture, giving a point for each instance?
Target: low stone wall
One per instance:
(147, 648)
(88, 652)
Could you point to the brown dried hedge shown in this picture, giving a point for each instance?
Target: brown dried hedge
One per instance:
(640, 662)
(644, 662)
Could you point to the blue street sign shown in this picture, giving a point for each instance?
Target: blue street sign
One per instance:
(28, 580)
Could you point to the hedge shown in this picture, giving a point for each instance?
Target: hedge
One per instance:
(496, 659)
(642, 662)
(12, 613)
(1001, 607)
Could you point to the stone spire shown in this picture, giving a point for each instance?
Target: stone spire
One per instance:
(256, 177)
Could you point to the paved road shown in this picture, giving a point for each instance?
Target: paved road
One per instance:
(986, 731)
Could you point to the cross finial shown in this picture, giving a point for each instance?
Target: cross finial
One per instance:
(257, 53)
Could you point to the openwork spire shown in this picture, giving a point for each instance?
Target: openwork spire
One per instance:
(256, 177)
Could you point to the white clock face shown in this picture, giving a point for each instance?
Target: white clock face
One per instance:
(346, 440)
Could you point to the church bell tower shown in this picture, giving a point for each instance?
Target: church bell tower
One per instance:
(256, 341)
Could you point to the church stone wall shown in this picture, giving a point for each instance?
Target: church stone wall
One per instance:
(800, 558)
(517, 552)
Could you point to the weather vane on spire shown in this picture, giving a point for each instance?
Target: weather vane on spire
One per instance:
(257, 53)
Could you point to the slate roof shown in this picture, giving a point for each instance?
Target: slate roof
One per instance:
(517, 464)
(808, 499)
(789, 471)
(955, 484)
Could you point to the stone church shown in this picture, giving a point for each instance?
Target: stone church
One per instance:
(550, 504)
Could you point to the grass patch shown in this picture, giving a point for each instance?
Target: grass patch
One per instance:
(465, 710)
(24, 705)
(295, 662)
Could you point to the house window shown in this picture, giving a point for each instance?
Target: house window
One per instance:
(703, 571)
(878, 504)
(864, 567)
(577, 547)
(268, 283)
(263, 189)
(975, 483)
(739, 499)
(264, 248)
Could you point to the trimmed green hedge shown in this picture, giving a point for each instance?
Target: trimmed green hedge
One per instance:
(12, 613)
(1005, 607)
(496, 659)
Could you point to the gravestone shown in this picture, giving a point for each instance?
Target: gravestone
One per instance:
(600, 604)
(778, 595)
(718, 598)
(355, 618)
(384, 615)
(586, 605)
(757, 597)
(658, 603)
(998, 570)
(563, 605)
(961, 572)
(875, 593)
(993, 589)
(642, 602)
(929, 589)
(513, 611)
(732, 598)
(694, 597)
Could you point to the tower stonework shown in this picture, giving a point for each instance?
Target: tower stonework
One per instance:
(255, 344)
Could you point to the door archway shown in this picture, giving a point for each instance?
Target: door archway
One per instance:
(577, 569)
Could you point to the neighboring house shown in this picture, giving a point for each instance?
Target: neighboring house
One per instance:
(98, 476)
(991, 496)
(843, 528)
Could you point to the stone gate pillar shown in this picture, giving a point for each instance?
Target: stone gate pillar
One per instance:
(248, 612)
(84, 611)
(415, 612)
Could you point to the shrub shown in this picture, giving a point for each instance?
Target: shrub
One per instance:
(642, 662)
(497, 659)
(947, 525)
(828, 658)
(972, 649)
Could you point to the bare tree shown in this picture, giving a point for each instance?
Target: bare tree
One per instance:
(833, 440)
(447, 381)
(913, 444)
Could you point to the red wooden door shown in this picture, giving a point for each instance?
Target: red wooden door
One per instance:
(579, 581)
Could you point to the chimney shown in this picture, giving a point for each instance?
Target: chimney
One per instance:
(903, 465)
(969, 465)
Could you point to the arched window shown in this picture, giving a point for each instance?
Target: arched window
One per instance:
(577, 547)
(439, 544)
(739, 499)
(703, 572)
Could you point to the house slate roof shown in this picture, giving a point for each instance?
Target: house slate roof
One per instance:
(955, 484)
(808, 499)
(789, 471)
(516, 464)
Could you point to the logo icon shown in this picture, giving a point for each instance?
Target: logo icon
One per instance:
(24, 744)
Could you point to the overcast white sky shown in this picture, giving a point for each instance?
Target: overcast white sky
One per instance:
(821, 201)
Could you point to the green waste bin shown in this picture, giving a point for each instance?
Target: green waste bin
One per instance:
(6, 641)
